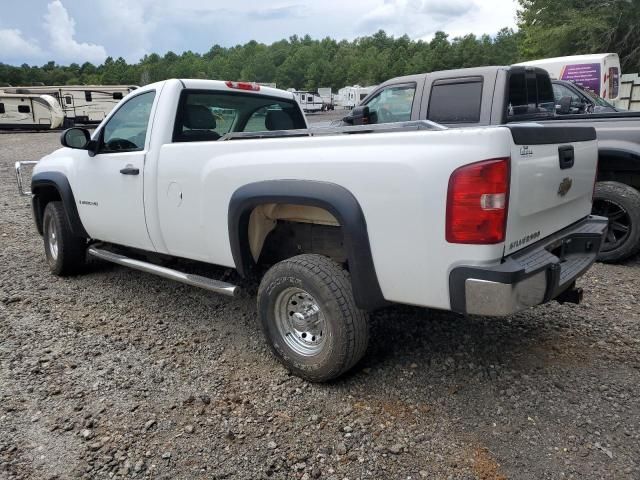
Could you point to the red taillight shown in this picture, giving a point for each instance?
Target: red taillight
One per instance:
(254, 87)
(477, 202)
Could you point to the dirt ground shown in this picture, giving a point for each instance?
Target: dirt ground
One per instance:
(119, 374)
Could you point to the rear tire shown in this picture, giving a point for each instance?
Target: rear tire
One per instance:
(66, 253)
(309, 317)
(620, 203)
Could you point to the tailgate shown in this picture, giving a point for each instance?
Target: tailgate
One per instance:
(553, 171)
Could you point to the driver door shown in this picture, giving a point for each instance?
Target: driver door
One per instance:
(109, 185)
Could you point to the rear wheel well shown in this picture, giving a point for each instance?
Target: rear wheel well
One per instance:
(41, 197)
(280, 231)
(319, 203)
(619, 166)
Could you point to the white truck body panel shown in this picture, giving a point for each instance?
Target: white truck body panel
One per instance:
(379, 182)
(536, 208)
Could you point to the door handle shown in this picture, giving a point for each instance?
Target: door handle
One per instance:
(129, 170)
(567, 156)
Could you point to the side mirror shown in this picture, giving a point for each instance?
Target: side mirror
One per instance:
(564, 107)
(75, 137)
(358, 116)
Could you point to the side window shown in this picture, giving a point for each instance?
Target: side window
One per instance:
(1, 107)
(68, 100)
(24, 109)
(127, 128)
(117, 95)
(393, 104)
(560, 91)
(87, 95)
(455, 100)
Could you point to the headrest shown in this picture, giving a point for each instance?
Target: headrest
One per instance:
(199, 117)
(278, 120)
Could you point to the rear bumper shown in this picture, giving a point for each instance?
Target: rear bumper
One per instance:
(531, 276)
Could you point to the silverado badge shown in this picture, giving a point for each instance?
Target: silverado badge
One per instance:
(565, 186)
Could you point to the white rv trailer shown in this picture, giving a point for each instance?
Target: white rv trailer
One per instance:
(349, 97)
(81, 103)
(29, 112)
(327, 97)
(599, 73)
(309, 101)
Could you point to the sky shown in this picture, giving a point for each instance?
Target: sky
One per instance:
(67, 31)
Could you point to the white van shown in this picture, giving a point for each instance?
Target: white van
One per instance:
(29, 112)
(599, 73)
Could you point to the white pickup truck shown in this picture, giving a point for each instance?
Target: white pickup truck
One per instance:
(334, 223)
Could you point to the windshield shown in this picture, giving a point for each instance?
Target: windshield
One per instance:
(598, 100)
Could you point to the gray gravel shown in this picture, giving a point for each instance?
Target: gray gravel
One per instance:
(118, 374)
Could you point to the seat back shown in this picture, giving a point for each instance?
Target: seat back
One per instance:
(278, 120)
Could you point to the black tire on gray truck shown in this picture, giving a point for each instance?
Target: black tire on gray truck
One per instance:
(66, 253)
(620, 203)
(310, 319)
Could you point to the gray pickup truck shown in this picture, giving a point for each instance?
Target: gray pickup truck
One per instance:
(499, 95)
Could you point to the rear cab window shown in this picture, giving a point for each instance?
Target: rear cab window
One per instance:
(530, 95)
(209, 115)
(456, 100)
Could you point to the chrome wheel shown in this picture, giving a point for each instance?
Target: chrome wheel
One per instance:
(300, 321)
(52, 238)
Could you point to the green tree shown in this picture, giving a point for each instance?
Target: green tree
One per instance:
(551, 28)
(298, 62)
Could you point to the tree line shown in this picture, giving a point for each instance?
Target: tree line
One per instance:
(546, 28)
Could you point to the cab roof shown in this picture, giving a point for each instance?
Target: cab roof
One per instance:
(222, 85)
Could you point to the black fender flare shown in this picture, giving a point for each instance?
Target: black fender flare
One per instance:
(336, 200)
(60, 182)
(618, 160)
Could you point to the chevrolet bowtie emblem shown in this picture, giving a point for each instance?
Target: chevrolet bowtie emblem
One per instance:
(565, 186)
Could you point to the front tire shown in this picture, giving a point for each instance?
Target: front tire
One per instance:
(620, 203)
(66, 253)
(309, 317)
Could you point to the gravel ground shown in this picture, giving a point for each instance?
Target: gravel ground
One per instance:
(118, 374)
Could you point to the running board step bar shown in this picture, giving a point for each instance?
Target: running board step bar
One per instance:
(190, 279)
